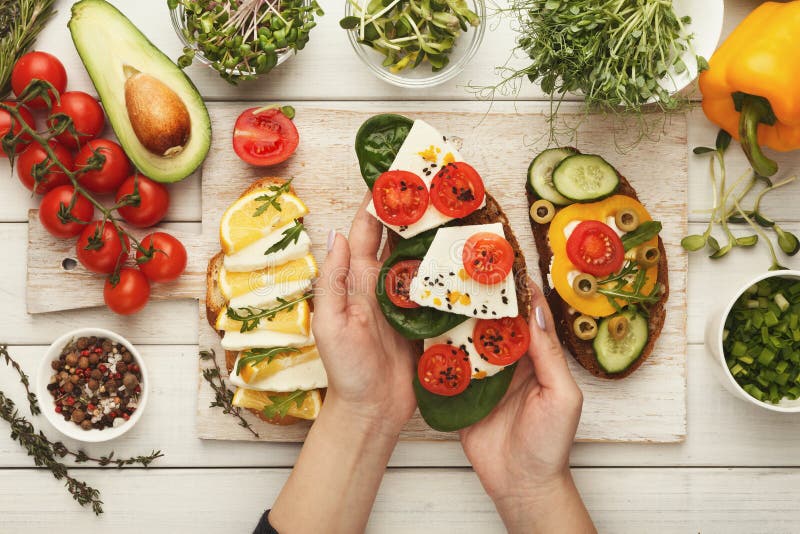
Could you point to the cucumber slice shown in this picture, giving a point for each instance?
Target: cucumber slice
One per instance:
(616, 356)
(585, 178)
(540, 174)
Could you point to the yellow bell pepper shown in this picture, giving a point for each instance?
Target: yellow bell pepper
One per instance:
(751, 87)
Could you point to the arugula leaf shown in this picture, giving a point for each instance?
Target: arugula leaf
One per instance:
(644, 233)
(256, 356)
(281, 404)
(251, 317)
(272, 198)
(290, 235)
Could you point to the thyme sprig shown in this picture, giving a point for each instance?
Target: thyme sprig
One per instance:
(223, 396)
(33, 402)
(21, 21)
(251, 317)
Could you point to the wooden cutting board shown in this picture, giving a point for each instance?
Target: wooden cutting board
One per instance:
(650, 406)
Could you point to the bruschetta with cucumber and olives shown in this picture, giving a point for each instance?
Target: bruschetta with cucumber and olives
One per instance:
(604, 268)
(455, 282)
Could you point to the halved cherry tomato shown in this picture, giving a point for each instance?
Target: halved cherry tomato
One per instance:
(129, 294)
(41, 66)
(103, 258)
(457, 190)
(398, 283)
(115, 169)
(86, 114)
(51, 205)
(400, 197)
(168, 260)
(488, 258)
(502, 341)
(34, 155)
(153, 201)
(264, 137)
(444, 370)
(594, 248)
(5, 126)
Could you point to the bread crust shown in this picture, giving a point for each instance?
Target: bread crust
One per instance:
(583, 351)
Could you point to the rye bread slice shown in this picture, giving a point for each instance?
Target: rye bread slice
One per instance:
(580, 349)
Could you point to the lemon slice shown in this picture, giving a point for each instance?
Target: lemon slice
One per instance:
(239, 227)
(265, 368)
(258, 400)
(296, 320)
(236, 284)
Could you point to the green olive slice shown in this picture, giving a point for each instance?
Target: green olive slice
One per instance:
(648, 256)
(627, 220)
(542, 211)
(585, 327)
(618, 327)
(585, 285)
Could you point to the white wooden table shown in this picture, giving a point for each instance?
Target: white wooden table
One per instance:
(736, 472)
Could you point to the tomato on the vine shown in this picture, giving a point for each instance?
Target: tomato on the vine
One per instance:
(153, 201)
(264, 137)
(168, 260)
(54, 175)
(40, 66)
(59, 200)
(6, 121)
(129, 294)
(114, 171)
(100, 248)
(86, 115)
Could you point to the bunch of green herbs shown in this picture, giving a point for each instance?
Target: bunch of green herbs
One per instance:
(21, 21)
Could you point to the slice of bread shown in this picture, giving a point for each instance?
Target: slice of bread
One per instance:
(564, 315)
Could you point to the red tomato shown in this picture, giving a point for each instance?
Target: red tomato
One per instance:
(110, 252)
(41, 66)
(400, 197)
(487, 258)
(86, 114)
(153, 201)
(129, 294)
(35, 154)
(169, 257)
(444, 370)
(594, 248)
(264, 138)
(398, 283)
(51, 205)
(5, 126)
(502, 341)
(457, 190)
(107, 178)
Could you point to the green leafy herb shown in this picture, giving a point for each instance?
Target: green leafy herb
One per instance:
(281, 404)
(223, 396)
(251, 317)
(644, 233)
(377, 143)
(290, 235)
(272, 199)
(615, 287)
(33, 402)
(258, 355)
(21, 21)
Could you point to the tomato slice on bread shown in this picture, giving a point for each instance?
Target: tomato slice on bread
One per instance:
(400, 197)
(488, 258)
(398, 283)
(595, 248)
(502, 341)
(457, 190)
(264, 137)
(444, 370)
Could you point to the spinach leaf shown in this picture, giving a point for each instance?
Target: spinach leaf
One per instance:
(377, 143)
(415, 323)
(447, 414)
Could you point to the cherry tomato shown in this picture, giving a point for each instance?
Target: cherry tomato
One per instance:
(502, 341)
(41, 66)
(5, 126)
(168, 261)
(488, 258)
(264, 138)
(153, 201)
(34, 155)
(129, 294)
(86, 114)
(400, 197)
(444, 370)
(398, 283)
(457, 190)
(51, 205)
(114, 171)
(594, 248)
(111, 251)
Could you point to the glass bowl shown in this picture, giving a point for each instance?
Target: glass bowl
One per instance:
(421, 77)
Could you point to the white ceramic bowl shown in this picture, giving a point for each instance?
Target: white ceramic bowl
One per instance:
(714, 332)
(68, 428)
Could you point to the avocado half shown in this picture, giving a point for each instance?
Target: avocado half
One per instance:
(111, 47)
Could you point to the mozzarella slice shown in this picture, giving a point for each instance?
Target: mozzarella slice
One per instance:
(252, 257)
(267, 296)
(264, 338)
(306, 376)
(423, 152)
(442, 282)
(461, 336)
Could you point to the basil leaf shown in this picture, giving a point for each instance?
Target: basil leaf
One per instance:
(447, 414)
(644, 233)
(377, 143)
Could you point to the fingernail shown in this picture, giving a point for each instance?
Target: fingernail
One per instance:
(540, 318)
(331, 239)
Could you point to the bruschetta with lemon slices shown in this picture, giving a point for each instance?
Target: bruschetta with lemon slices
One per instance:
(258, 298)
(603, 264)
(456, 281)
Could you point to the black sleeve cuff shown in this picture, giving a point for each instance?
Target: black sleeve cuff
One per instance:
(263, 526)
